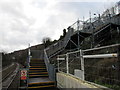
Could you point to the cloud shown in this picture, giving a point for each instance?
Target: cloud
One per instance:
(29, 21)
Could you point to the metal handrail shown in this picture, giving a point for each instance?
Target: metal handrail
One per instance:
(49, 67)
(114, 45)
(46, 59)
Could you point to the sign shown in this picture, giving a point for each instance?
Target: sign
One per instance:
(23, 74)
(60, 58)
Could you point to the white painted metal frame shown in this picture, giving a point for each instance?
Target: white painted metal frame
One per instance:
(101, 56)
(82, 57)
(82, 64)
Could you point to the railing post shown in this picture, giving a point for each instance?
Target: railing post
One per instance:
(58, 64)
(29, 56)
(82, 64)
(67, 64)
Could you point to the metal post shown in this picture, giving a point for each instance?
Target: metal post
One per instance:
(93, 35)
(118, 31)
(58, 64)
(78, 34)
(67, 64)
(28, 64)
(29, 56)
(82, 64)
(90, 15)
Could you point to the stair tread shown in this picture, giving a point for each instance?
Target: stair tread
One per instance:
(42, 82)
(43, 86)
(36, 59)
(37, 62)
(40, 79)
(39, 73)
(38, 68)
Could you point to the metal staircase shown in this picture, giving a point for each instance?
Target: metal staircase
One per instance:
(38, 75)
(58, 47)
(37, 68)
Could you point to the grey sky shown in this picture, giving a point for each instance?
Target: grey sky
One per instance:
(28, 21)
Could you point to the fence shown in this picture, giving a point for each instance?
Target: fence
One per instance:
(99, 65)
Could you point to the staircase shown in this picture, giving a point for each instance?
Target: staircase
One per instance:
(38, 75)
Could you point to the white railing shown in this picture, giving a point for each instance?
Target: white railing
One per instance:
(88, 64)
(101, 56)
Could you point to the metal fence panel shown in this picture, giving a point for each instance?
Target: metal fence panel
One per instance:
(99, 65)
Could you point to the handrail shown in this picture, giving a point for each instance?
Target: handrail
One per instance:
(103, 47)
(51, 50)
(62, 45)
(50, 68)
(109, 46)
(46, 59)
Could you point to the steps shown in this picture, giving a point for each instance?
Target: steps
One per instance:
(37, 68)
(38, 75)
(47, 84)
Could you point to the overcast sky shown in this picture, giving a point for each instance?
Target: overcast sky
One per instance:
(29, 21)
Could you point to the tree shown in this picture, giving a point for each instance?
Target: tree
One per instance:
(46, 41)
(64, 32)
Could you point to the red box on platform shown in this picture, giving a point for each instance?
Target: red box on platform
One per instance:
(23, 74)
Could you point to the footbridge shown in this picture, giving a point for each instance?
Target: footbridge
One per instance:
(87, 57)
(95, 66)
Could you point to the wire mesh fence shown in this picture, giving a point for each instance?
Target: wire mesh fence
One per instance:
(104, 71)
(74, 62)
(99, 65)
(62, 63)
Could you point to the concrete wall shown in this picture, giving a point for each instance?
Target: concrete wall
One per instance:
(69, 81)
